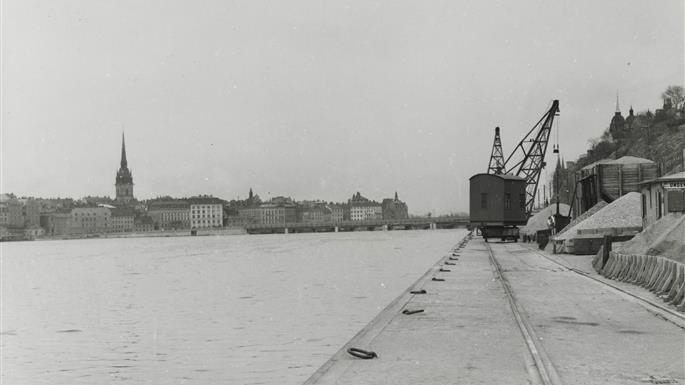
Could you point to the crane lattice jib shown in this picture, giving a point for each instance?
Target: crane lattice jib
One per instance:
(533, 151)
(496, 165)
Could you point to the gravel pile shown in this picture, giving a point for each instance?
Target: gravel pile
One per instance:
(665, 237)
(583, 216)
(623, 212)
(539, 220)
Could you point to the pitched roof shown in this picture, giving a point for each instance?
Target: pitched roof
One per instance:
(119, 212)
(163, 205)
(677, 177)
(621, 160)
(204, 201)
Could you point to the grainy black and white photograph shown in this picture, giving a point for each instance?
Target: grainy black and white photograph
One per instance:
(349, 192)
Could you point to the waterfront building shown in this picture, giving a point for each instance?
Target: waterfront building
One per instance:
(121, 220)
(363, 209)
(143, 224)
(317, 213)
(206, 212)
(662, 196)
(395, 208)
(30, 210)
(247, 216)
(124, 179)
(89, 220)
(56, 222)
(171, 214)
(276, 214)
(4, 214)
(339, 212)
(15, 214)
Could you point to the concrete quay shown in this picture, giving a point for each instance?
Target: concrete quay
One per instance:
(580, 330)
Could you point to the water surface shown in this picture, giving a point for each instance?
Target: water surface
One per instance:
(261, 309)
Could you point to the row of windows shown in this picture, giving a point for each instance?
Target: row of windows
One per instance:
(89, 219)
(212, 207)
(507, 200)
(175, 215)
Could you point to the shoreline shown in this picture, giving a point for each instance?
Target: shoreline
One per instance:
(146, 234)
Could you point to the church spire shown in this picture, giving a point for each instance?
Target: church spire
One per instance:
(124, 179)
(617, 108)
(124, 163)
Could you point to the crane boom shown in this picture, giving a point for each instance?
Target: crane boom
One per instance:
(533, 150)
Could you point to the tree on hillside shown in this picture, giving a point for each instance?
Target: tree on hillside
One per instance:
(676, 96)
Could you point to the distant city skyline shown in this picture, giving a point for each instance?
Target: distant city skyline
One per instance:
(311, 100)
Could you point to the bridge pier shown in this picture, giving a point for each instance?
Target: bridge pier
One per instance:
(336, 229)
(285, 231)
(433, 226)
(385, 227)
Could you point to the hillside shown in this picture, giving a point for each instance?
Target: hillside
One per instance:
(664, 145)
(659, 137)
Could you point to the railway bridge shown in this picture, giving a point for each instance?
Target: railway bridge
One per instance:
(415, 223)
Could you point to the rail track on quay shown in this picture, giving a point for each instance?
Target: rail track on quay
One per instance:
(658, 309)
(545, 369)
(543, 364)
(453, 325)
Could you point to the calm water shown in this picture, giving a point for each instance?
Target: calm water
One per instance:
(198, 310)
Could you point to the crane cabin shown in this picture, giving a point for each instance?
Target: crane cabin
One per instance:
(498, 205)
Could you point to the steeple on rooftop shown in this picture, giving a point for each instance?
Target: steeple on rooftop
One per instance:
(124, 163)
(124, 178)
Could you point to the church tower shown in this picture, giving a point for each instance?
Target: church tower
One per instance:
(617, 126)
(124, 179)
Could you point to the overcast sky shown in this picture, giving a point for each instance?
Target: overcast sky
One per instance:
(313, 99)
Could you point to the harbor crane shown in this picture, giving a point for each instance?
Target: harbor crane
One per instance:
(528, 157)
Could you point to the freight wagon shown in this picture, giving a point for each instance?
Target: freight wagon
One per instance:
(498, 205)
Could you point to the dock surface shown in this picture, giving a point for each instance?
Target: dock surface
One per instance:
(579, 330)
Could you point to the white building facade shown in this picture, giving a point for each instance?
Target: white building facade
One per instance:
(366, 211)
(206, 213)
